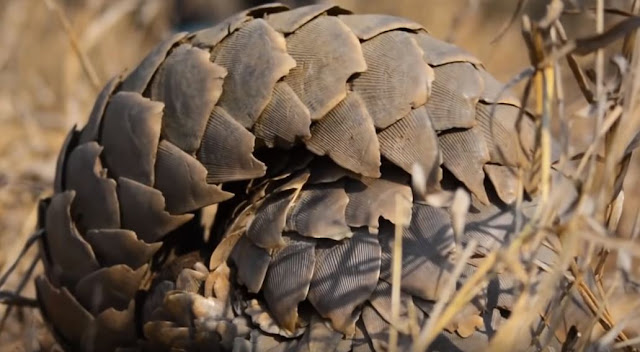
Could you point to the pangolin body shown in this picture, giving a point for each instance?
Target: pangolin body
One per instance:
(303, 127)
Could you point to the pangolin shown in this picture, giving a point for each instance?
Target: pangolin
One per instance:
(240, 188)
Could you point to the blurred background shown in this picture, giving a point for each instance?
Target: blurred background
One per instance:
(44, 89)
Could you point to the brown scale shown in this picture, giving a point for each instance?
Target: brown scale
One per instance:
(189, 85)
(70, 141)
(182, 180)
(91, 132)
(62, 239)
(464, 153)
(326, 55)
(95, 204)
(118, 246)
(251, 263)
(226, 150)
(410, 141)
(438, 52)
(347, 135)
(389, 197)
(143, 211)
(455, 91)
(427, 246)
(251, 75)
(287, 280)
(366, 27)
(396, 80)
(289, 21)
(210, 37)
(130, 134)
(113, 286)
(138, 80)
(266, 228)
(319, 212)
(284, 121)
(336, 296)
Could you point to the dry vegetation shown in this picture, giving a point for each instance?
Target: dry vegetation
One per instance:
(54, 59)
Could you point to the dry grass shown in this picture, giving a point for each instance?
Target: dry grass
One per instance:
(53, 59)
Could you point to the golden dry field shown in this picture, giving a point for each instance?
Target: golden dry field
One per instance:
(55, 55)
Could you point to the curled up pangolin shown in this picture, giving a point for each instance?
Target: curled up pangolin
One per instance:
(300, 130)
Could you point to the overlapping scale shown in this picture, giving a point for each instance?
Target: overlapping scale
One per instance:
(381, 300)
(426, 252)
(138, 80)
(288, 278)
(262, 319)
(451, 341)
(114, 329)
(91, 131)
(284, 121)
(504, 180)
(464, 153)
(467, 318)
(366, 27)
(96, 203)
(252, 74)
(396, 80)
(266, 227)
(58, 305)
(389, 197)
(290, 21)
(185, 307)
(210, 37)
(378, 331)
(118, 246)
(326, 55)
(182, 180)
(70, 141)
(113, 286)
(163, 334)
(319, 212)
(143, 211)
(345, 275)
(412, 140)
(152, 307)
(190, 280)
(347, 135)
(495, 92)
(189, 85)
(226, 150)
(489, 225)
(130, 135)
(324, 170)
(438, 52)
(455, 91)
(497, 123)
(361, 341)
(70, 254)
(320, 337)
(251, 264)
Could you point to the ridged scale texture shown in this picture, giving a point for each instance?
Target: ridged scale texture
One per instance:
(284, 120)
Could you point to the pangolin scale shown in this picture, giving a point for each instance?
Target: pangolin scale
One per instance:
(301, 130)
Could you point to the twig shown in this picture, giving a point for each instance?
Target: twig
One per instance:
(441, 316)
(396, 277)
(30, 241)
(10, 298)
(89, 71)
(21, 286)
